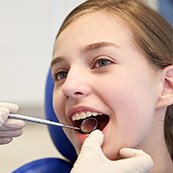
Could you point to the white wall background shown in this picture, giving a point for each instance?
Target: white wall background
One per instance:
(27, 32)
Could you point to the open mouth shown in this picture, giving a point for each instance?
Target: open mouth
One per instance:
(100, 119)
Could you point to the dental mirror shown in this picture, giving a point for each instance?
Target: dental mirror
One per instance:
(88, 125)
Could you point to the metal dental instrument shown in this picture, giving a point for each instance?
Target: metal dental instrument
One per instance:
(41, 121)
(86, 127)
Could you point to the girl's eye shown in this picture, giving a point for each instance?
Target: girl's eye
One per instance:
(101, 63)
(60, 75)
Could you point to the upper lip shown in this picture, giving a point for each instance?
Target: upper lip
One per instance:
(77, 109)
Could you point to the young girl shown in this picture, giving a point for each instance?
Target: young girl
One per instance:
(113, 60)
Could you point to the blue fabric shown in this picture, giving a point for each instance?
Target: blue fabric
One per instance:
(58, 137)
(63, 145)
(166, 10)
(47, 165)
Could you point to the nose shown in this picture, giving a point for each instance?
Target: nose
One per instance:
(76, 84)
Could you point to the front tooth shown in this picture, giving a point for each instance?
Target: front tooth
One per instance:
(94, 114)
(88, 114)
(78, 116)
(83, 115)
(74, 117)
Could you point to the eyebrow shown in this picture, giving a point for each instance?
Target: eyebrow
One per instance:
(56, 60)
(99, 45)
(88, 48)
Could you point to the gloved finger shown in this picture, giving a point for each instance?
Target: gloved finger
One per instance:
(10, 134)
(92, 145)
(4, 112)
(11, 106)
(130, 152)
(137, 158)
(91, 150)
(5, 140)
(12, 124)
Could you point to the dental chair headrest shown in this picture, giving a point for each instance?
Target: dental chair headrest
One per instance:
(59, 138)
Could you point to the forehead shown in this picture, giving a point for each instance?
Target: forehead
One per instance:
(92, 28)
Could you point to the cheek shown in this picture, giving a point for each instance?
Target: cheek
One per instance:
(132, 113)
(130, 124)
(132, 94)
(132, 106)
(58, 106)
(59, 109)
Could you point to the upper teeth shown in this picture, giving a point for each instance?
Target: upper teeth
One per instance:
(83, 115)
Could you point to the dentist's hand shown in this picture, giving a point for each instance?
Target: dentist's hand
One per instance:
(91, 159)
(9, 128)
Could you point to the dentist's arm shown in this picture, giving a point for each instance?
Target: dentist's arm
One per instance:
(92, 159)
(9, 128)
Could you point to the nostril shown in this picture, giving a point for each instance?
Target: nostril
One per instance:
(78, 93)
(67, 96)
(75, 91)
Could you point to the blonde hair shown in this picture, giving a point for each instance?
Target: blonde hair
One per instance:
(150, 31)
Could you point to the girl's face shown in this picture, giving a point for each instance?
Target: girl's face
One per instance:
(99, 70)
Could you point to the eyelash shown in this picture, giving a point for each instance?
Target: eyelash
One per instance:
(60, 75)
(96, 62)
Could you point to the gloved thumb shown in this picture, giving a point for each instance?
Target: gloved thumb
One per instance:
(137, 158)
(5, 109)
(10, 106)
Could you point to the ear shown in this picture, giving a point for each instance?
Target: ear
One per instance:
(166, 96)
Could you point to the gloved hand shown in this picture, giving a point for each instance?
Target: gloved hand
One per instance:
(92, 160)
(9, 128)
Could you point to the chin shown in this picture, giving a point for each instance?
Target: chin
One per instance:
(111, 155)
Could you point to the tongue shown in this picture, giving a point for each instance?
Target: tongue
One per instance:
(102, 121)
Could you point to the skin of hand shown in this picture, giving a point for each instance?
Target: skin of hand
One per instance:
(92, 159)
(9, 127)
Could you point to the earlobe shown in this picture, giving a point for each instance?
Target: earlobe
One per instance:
(166, 96)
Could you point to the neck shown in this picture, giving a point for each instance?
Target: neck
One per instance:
(156, 147)
(162, 160)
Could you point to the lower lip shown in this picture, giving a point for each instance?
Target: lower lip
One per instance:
(81, 137)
